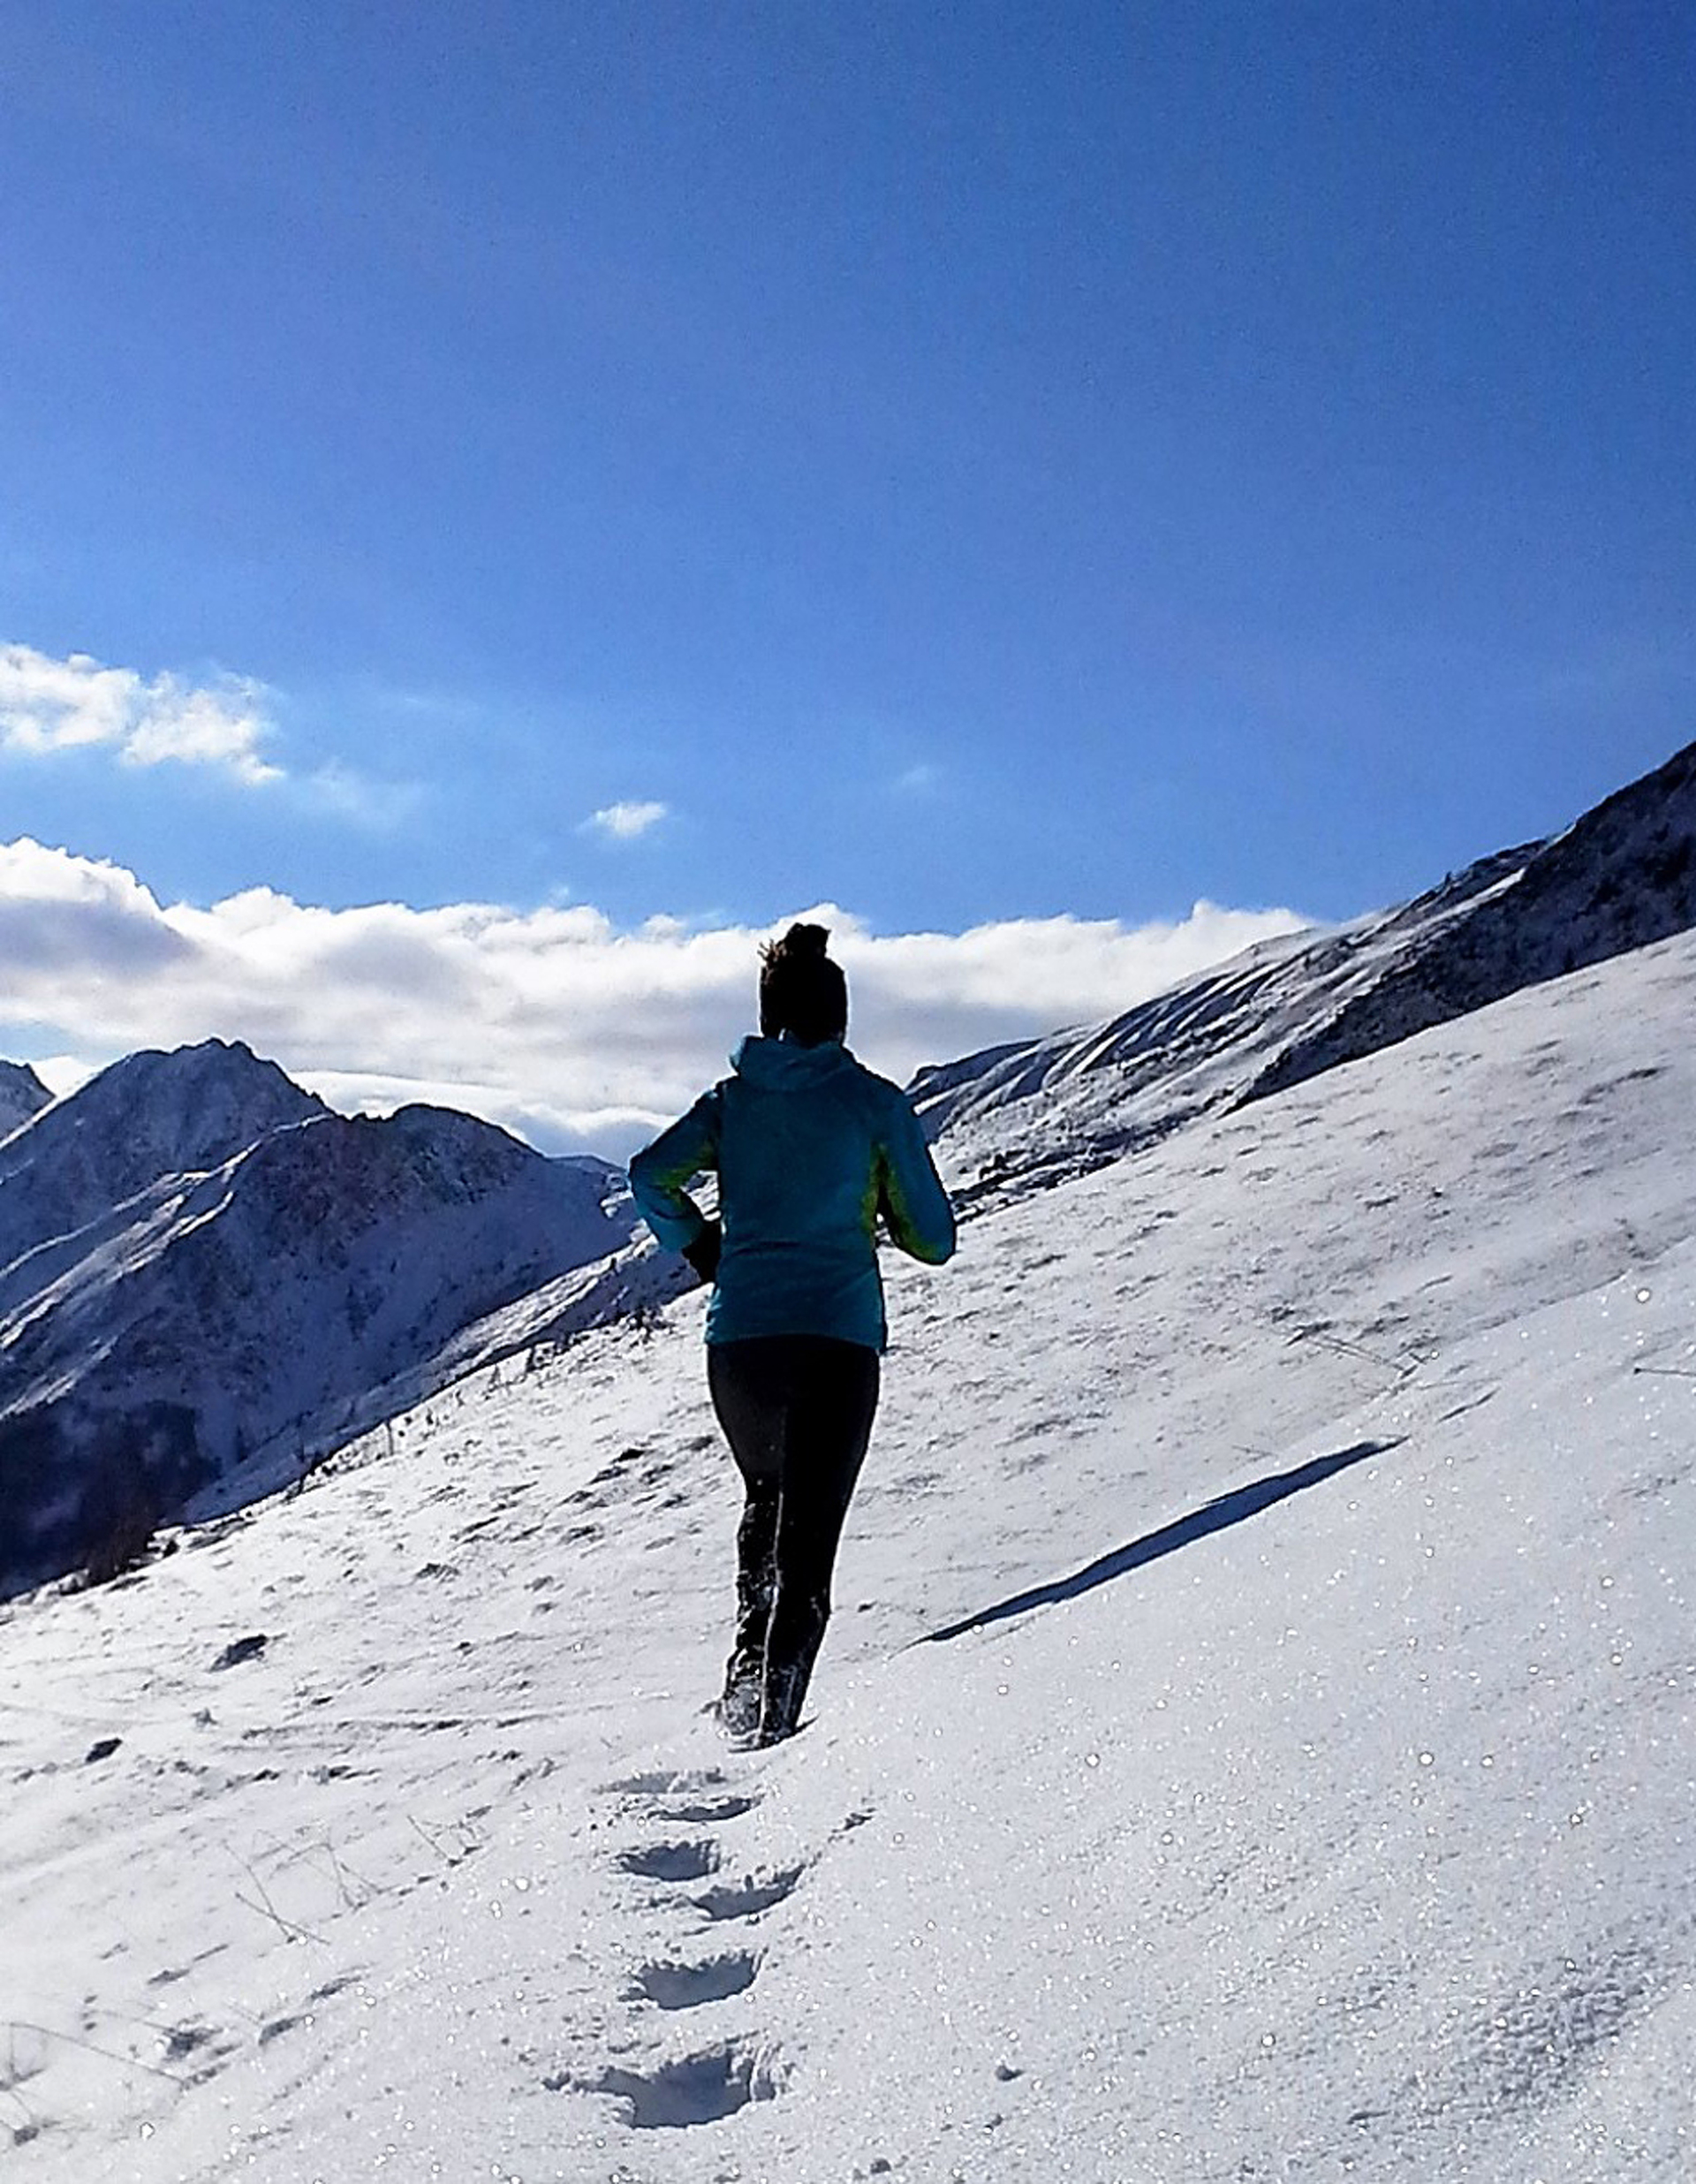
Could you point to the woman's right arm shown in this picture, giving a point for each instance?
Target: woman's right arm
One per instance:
(660, 1171)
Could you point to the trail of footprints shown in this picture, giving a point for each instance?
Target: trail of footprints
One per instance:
(721, 2076)
(638, 1477)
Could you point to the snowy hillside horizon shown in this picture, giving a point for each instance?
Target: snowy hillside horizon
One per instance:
(1622, 875)
(1253, 1742)
(209, 1281)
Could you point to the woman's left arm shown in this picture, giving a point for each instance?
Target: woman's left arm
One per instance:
(910, 1191)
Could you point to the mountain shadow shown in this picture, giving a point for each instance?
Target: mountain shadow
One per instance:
(1215, 1516)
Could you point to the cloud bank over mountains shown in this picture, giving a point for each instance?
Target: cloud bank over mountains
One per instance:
(554, 1021)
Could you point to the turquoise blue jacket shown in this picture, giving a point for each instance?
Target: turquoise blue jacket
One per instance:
(810, 1149)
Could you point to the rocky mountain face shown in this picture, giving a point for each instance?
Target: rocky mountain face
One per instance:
(1624, 875)
(148, 1116)
(21, 1094)
(204, 1273)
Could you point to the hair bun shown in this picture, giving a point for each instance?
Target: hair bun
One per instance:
(803, 994)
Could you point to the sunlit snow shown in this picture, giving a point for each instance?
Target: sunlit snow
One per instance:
(1255, 1741)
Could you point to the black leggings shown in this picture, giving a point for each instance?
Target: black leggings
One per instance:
(796, 1411)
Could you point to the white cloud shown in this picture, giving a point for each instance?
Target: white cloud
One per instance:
(49, 705)
(624, 823)
(553, 1021)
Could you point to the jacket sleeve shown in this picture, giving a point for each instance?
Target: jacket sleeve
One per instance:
(911, 1197)
(660, 1171)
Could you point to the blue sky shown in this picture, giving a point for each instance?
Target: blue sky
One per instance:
(967, 465)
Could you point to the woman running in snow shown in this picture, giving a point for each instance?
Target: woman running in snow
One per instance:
(811, 1150)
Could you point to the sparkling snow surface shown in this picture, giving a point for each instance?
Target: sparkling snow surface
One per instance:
(1307, 1789)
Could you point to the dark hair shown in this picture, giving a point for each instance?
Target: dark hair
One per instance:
(801, 990)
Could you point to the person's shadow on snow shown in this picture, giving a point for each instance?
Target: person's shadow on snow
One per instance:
(1228, 1509)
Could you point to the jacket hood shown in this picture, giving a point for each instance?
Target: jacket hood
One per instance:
(784, 1066)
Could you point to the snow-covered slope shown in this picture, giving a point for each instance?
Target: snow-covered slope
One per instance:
(181, 1330)
(148, 1116)
(1623, 876)
(21, 1094)
(146, 1348)
(1254, 1741)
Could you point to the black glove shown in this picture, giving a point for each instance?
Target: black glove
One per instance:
(702, 1255)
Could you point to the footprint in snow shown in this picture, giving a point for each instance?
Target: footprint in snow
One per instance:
(671, 1862)
(686, 1986)
(747, 1898)
(697, 2089)
(709, 1812)
(668, 1782)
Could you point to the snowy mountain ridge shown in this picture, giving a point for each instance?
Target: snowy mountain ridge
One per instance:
(148, 1115)
(204, 1273)
(1621, 876)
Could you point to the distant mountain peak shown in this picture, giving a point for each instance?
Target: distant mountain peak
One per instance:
(231, 1062)
(150, 1115)
(22, 1094)
(235, 1315)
